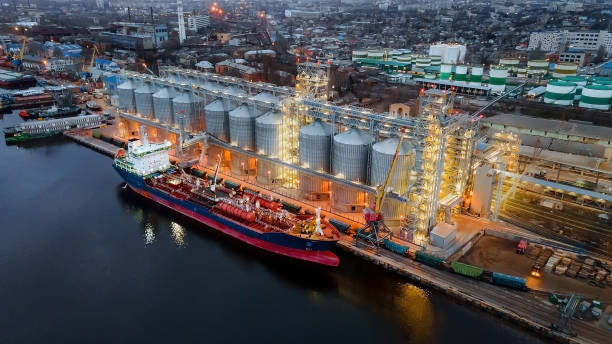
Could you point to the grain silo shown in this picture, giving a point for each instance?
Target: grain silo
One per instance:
(125, 91)
(268, 141)
(314, 149)
(162, 105)
(242, 127)
(217, 120)
(560, 93)
(143, 96)
(596, 97)
(382, 155)
(189, 107)
(350, 161)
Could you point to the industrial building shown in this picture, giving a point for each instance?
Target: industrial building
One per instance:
(295, 143)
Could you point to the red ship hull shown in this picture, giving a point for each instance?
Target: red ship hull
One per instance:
(319, 257)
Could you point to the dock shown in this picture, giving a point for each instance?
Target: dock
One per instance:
(529, 310)
(84, 137)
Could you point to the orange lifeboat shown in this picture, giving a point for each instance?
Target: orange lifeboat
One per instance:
(267, 203)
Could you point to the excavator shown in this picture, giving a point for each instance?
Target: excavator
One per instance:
(375, 231)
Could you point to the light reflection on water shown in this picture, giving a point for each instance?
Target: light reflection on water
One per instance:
(178, 234)
(149, 234)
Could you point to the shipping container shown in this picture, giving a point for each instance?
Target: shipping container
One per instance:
(466, 269)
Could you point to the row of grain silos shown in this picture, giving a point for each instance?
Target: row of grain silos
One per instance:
(166, 105)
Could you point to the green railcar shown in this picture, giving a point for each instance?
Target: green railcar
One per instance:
(466, 269)
(428, 259)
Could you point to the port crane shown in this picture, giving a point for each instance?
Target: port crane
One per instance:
(375, 230)
(86, 71)
(18, 58)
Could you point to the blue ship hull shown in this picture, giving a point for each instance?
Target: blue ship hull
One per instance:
(281, 243)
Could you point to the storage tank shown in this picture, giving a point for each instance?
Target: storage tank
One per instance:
(561, 70)
(436, 60)
(268, 141)
(125, 91)
(359, 54)
(560, 93)
(497, 79)
(404, 59)
(580, 83)
(217, 119)
(460, 73)
(143, 96)
(535, 67)
(452, 54)
(510, 63)
(601, 80)
(162, 105)
(375, 55)
(445, 71)
(423, 61)
(596, 97)
(476, 76)
(350, 161)
(242, 127)
(314, 150)
(189, 106)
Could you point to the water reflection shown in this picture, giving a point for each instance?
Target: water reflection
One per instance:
(149, 233)
(178, 234)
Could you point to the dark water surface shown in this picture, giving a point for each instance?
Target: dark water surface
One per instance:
(83, 260)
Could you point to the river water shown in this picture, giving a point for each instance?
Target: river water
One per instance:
(84, 261)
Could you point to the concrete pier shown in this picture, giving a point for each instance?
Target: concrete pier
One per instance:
(84, 137)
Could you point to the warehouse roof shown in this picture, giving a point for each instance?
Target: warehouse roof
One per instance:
(550, 125)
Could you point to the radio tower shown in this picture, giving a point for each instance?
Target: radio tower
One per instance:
(181, 20)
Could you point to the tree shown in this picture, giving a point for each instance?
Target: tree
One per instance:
(600, 56)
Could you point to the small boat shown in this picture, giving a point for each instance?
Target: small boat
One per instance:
(24, 114)
(93, 105)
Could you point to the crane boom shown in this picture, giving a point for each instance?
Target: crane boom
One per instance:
(381, 190)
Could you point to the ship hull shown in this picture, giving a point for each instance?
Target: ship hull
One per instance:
(279, 243)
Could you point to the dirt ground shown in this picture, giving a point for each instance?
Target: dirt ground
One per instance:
(497, 254)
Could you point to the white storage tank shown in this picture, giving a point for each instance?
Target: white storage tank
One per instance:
(497, 79)
(560, 93)
(445, 71)
(596, 97)
(510, 63)
(476, 75)
(375, 55)
(217, 119)
(268, 141)
(423, 61)
(436, 60)
(125, 91)
(143, 96)
(561, 70)
(314, 149)
(242, 127)
(460, 73)
(189, 107)
(535, 67)
(162, 105)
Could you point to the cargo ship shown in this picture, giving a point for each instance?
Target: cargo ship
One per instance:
(15, 80)
(32, 130)
(246, 215)
(52, 112)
